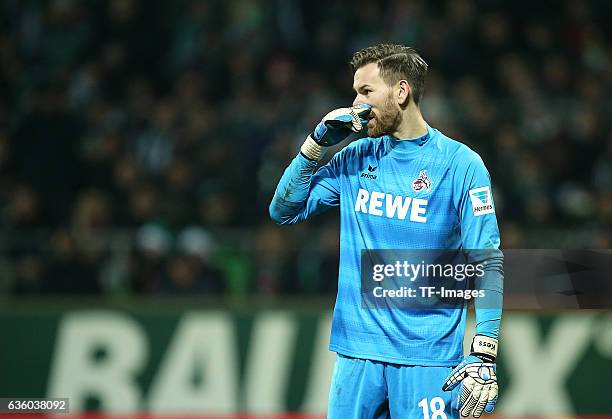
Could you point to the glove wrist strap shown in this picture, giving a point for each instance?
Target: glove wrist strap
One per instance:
(484, 348)
(311, 150)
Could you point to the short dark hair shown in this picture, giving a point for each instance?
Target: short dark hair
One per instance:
(395, 63)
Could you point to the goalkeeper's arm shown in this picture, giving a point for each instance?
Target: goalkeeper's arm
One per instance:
(476, 375)
(301, 192)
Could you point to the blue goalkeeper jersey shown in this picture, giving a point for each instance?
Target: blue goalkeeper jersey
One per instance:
(426, 193)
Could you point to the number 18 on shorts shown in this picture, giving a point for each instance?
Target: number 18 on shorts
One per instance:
(375, 390)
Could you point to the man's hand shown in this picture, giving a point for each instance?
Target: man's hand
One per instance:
(334, 128)
(337, 125)
(476, 375)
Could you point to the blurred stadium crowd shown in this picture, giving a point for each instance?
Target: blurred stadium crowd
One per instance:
(141, 141)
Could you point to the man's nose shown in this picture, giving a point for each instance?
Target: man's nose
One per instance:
(358, 101)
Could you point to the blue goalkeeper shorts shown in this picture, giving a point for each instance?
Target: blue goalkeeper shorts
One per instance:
(365, 389)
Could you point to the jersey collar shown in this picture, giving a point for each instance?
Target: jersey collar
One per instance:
(409, 145)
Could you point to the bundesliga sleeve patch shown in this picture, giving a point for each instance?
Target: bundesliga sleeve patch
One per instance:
(482, 202)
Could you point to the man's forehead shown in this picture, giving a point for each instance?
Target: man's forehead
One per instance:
(368, 74)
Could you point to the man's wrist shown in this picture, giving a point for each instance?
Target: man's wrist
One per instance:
(484, 347)
(311, 150)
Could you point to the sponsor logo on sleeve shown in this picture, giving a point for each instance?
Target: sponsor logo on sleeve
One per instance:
(482, 201)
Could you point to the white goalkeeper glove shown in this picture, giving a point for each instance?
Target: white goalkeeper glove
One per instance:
(476, 375)
(334, 128)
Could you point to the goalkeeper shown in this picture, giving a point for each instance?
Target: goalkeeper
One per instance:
(422, 190)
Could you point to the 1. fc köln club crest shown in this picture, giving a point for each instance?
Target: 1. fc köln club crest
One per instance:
(421, 182)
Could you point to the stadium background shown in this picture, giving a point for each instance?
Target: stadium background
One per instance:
(140, 145)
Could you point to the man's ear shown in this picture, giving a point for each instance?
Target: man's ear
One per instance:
(403, 93)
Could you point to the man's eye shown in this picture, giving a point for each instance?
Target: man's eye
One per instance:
(366, 92)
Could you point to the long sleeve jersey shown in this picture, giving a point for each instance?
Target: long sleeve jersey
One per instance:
(430, 192)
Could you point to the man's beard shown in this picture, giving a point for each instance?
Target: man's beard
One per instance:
(387, 121)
